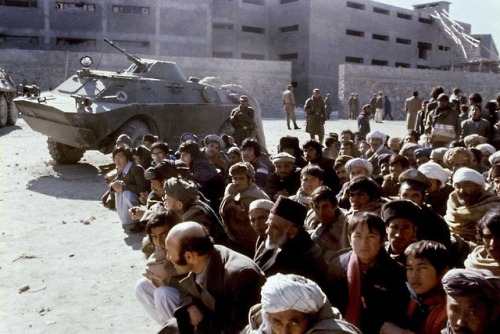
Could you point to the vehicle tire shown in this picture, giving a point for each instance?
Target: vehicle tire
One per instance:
(135, 129)
(13, 114)
(4, 111)
(64, 154)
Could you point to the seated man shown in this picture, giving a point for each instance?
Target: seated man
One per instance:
(258, 213)
(157, 291)
(252, 152)
(234, 207)
(439, 191)
(487, 254)
(354, 167)
(376, 140)
(472, 301)
(127, 186)
(311, 177)
(294, 304)
(369, 287)
(221, 285)
(314, 155)
(468, 203)
(182, 197)
(213, 150)
(288, 248)
(285, 181)
(426, 264)
(327, 223)
(390, 185)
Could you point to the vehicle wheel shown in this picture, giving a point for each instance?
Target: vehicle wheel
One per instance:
(226, 128)
(64, 154)
(135, 130)
(4, 111)
(12, 114)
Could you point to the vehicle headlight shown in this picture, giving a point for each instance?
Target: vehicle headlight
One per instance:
(86, 61)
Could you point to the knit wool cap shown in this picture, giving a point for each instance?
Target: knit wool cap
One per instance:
(403, 209)
(283, 157)
(214, 139)
(467, 174)
(290, 210)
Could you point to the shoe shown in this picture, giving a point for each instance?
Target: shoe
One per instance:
(137, 228)
(288, 126)
(296, 127)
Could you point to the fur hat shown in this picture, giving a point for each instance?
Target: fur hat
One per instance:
(403, 209)
(290, 210)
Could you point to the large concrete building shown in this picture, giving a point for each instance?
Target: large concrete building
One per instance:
(316, 36)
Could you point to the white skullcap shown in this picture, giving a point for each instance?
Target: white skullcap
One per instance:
(434, 171)
(291, 292)
(359, 162)
(494, 158)
(466, 174)
(261, 204)
(376, 134)
(486, 148)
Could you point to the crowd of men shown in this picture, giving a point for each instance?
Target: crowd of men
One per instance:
(367, 234)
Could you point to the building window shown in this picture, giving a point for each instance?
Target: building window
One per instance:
(404, 16)
(222, 26)
(19, 3)
(255, 2)
(355, 5)
(403, 41)
(356, 33)
(354, 60)
(18, 40)
(79, 6)
(75, 41)
(425, 20)
(379, 62)
(295, 27)
(131, 10)
(403, 65)
(380, 37)
(381, 11)
(289, 56)
(287, 1)
(423, 49)
(443, 48)
(252, 56)
(216, 54)
(131, 44)
(255, 30)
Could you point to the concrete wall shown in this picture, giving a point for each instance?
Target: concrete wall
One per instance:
(398, 84)
(266, 80)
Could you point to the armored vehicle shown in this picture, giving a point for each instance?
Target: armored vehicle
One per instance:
(92, 108)
(8, 109)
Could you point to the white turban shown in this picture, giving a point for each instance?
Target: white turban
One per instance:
(376, 134)
(494, 158)
(486, 148)
(261, 204)
(466, 174)
(291, 292)
(434, 171)
(359, 162)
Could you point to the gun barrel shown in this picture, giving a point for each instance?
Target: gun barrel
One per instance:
(136, 60)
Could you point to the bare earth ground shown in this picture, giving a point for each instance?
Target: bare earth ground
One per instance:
(71, 252)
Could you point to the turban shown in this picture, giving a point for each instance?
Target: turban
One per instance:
(474, 140)
(434, 171)
(457, 153)
(376, 134)
(486, 148)
(359, 162)
(291, 292)
(466, 174)
(264, 204)
(472, 281)
(494, 158)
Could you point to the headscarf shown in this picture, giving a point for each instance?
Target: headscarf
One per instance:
(291, 292)
(468, 281)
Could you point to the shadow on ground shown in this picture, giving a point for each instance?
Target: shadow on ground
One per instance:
(79, 181)
(8, 129)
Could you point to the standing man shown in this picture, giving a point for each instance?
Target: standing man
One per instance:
(242, 119)
(388, 108)
(442, 123)
(351, 103)
(289, 107)
(412, 106)
(379, 111)
(364, 120)
(328, 105)
(316, 116)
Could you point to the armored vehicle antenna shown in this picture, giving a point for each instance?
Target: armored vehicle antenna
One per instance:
(136, 60)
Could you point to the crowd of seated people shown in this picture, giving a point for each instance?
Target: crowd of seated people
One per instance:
(366, 235)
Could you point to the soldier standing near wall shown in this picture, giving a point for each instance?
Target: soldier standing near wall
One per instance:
(328, 105)
(242, 119)
(316, 116)
(289, 107)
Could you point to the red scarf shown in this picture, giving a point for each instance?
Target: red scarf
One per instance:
(352, 313)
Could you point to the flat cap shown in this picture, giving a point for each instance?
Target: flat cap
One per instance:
(414, 178)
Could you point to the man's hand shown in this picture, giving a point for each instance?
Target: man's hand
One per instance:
(118, 185)
(195, 315)
(143, 197)
(136, 212)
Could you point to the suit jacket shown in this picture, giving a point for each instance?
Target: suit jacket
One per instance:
(231, 287)
(469, 128)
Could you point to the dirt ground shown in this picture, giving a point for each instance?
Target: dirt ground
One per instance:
(66, 266)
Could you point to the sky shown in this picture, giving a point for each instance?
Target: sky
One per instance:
(482, 15)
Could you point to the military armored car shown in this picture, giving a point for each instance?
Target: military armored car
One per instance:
(8, 109)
